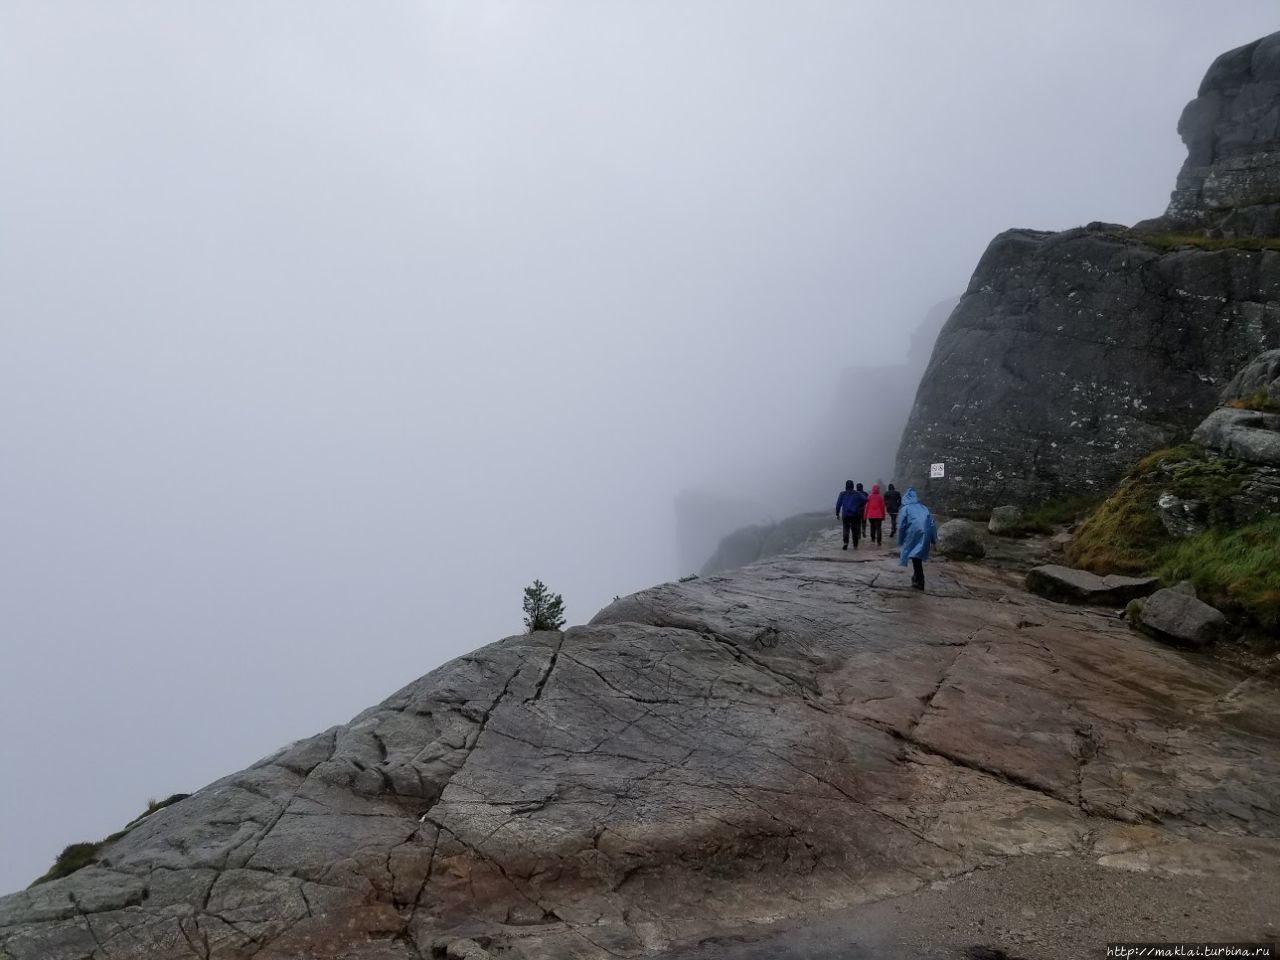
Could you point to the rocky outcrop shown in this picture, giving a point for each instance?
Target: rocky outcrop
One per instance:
(1230, 182)
(1181, 517)
(1257, 385)
(1224, 490)
(1242, 438)
(1186, 490)
(761, 540)
(786, 744)
(1248, 435)
(1056, 582)
(1073, 354)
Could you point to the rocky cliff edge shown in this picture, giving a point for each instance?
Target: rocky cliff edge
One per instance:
(780, 746)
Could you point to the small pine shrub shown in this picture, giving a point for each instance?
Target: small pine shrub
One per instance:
(543, 610)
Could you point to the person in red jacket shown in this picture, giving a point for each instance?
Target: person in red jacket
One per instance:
(874, 512)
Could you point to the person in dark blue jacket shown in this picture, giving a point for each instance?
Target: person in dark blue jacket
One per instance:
(916, 533)
(893, 503)
(849, 509)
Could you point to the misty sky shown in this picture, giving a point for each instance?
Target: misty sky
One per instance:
(325, 327)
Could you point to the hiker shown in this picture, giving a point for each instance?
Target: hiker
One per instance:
(916, 533)
(849, 510)
(892, 503)
(863, 513)
(874, 514)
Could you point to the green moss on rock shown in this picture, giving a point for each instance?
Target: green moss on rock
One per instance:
(1258, 400)
(1125, 535)
(1200, 241)
(1234, 566)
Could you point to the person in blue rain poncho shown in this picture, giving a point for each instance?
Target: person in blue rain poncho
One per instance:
(916, 533)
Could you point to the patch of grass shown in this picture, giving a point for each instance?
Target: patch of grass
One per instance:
(1121, 536)
(71, 859)
(1124, 534)
(965, 513)
(1172, 241)
(1258, 400)
(153, 805)
(1057, 513)
(1237, 570)
(692, 576)
(77, 856)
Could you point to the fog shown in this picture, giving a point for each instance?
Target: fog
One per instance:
(327, 327)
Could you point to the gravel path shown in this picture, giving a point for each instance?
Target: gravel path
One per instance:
(1030, 908)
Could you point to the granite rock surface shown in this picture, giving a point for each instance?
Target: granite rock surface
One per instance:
(1257, 379)
(1068, 585)
(1177, 616)
(799, 738)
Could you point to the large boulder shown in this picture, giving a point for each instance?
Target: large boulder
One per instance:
(1175, 615)
(1250, 435)
(1068, 585)
(1005, 521)
(960, 540)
